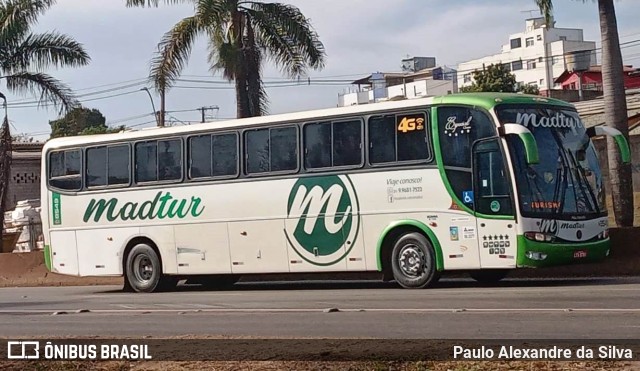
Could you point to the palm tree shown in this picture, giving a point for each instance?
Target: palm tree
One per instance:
(241, 35)
(24, 54)
(615, 107)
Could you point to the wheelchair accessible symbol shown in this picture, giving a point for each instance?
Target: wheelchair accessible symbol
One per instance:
(467, 197)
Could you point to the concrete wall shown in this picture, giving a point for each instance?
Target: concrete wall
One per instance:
(601, 146)
(24, 181)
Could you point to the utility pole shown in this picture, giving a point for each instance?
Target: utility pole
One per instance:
(204, 109)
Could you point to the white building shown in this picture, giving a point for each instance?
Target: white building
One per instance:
(429, 81)
(536, 56)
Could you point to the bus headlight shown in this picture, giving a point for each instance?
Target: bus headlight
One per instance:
(534, 255)
(538, 236)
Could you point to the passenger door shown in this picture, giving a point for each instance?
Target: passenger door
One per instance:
(495, 213)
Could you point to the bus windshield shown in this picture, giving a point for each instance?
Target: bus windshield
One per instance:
(567, 182)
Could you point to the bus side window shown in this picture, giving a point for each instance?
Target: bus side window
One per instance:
(64, 170)
(492, 184)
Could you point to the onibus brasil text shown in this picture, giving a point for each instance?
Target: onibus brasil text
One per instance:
(52, 351)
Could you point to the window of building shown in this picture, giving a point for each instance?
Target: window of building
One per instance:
(213, 156)
(563, 38)
(467, 77)
(541, 82)
(108, 166)
(64, 169)
(158, 160)
(531, 64)
(539, 37)
(516, 43)
(517, 65)
(529, 41)
(333, 144)
(271, 150)
(398, 138)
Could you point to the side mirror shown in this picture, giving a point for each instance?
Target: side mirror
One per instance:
(527, 138)
(621, 141)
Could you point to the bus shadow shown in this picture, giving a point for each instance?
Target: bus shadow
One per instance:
(452, 283)
(445, 283)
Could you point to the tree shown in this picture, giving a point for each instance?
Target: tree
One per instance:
(615, 107)
(497, 78)
(81, 121)
(24, 54)
(241, 35)
(23, 57)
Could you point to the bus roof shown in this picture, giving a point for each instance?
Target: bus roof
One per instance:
(484, 100)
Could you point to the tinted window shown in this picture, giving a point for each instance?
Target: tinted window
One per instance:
(317, 145)
(107, 166)
(96, 167)
(159, 160)
(347, 139)
(272, 150)
(258, 151)
(146, 162)
(213, 155)
(64, 169)
(170, 159)
(398, 138)
(459, 128)
(225, 154)
(118, 170)
(200, 157)
(284, 142)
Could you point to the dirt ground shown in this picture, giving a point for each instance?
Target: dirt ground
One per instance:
(322, 366)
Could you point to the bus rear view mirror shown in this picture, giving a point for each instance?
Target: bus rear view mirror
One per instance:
(527, 138)
(621, 141)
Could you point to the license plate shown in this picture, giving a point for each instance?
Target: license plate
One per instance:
(580, 254)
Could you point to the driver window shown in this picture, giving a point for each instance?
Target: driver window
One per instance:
(492, 183)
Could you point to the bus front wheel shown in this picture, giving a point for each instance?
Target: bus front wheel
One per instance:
(144, 270)
(413, 261)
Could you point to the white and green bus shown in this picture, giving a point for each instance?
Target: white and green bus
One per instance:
(483, 183)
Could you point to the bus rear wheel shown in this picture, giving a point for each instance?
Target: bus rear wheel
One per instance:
(144, 270)
(489, 275)
(413, 261)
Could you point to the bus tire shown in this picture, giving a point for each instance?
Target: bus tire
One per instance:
(489, 275)
(144, 270)
(413, 261)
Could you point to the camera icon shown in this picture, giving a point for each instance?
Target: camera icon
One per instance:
(23, 349)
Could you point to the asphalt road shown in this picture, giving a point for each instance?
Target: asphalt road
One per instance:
(455, 309)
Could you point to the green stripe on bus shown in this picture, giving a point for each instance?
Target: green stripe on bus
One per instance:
(47, 257)
(56, 208)
(413, 223)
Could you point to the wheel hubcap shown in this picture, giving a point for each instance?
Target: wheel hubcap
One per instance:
(143, 268)
(412, 261)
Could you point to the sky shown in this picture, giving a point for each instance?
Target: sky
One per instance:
(360, 37)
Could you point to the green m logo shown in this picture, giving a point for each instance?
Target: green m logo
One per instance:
(322, 218)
